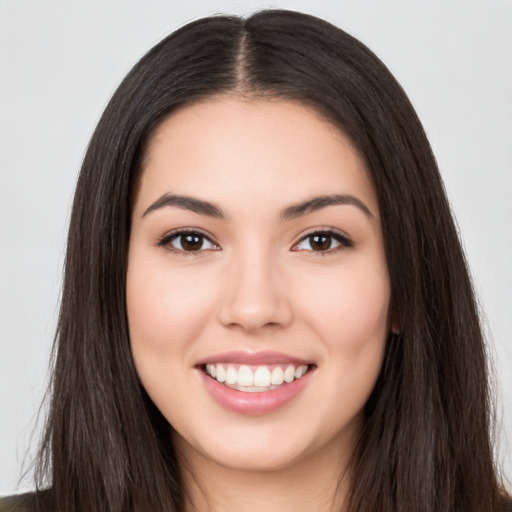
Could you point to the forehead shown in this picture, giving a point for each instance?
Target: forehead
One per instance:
(228, 147)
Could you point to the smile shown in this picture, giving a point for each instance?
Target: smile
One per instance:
(252, 379)
(255, 383)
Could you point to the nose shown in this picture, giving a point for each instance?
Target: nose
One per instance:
(255, 296)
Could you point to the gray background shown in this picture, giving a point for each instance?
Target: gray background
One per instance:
(59, 63)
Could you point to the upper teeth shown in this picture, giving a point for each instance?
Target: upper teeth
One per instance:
(259, 376)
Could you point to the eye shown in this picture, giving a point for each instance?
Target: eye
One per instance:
(323, 241)
(187, 242)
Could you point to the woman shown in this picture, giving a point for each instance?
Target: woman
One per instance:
(265, 300)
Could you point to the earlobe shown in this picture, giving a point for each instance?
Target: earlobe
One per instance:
(394, 324)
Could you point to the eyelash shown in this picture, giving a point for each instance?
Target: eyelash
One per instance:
(344, 241)
(166, 240)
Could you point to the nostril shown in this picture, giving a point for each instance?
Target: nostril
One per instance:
(251, 309)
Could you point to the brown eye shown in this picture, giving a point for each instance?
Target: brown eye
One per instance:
(190, 242)
(320, 242)
(323, 241)
(187, 241)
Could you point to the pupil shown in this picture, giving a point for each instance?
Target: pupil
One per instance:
(320, 242)
(191, 242)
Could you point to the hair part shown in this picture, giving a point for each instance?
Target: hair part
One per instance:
(425, 445)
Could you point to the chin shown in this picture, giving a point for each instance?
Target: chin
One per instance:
(268, 448)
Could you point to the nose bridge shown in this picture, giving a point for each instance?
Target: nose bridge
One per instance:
(254, 296)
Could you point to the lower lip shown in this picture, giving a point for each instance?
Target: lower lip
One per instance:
(255, 403)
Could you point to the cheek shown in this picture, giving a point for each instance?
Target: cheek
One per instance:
(350, 317)
(350, 309)
(166, 313)
(349, 314)
(162, 303)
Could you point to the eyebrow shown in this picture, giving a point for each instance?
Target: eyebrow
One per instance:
(187, 203)
(291, 212)
(317, 203)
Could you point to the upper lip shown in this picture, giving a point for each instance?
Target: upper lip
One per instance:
(253, 358)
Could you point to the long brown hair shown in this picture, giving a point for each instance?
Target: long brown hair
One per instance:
(426, 441)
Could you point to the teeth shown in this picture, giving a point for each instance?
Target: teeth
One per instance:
(300, 371)
(231, 376)
(289, 374)
(262, 379)
(262, 376)
(277, 376)
(245, 376)
(220, 373)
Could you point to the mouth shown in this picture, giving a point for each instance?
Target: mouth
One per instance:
(254, 384)
(255, 379)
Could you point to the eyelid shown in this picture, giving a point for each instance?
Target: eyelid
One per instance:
(165, 240)
(341, 237)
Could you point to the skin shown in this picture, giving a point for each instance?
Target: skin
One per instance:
(257, 285)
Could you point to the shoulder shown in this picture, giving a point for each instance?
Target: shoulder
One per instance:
(27, 502)
(506, 504)
(18, 503)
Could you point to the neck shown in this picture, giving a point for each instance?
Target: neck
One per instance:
(318, 482)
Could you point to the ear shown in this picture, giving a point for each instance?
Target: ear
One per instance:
(394, 323)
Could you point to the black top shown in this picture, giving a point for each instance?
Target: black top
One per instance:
(32, 502)
(27, 502)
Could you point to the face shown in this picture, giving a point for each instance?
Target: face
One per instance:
(257, 285)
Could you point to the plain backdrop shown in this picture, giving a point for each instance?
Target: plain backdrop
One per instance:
(60, 62)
